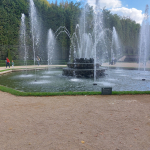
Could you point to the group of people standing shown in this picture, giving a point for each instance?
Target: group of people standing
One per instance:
(8, 62)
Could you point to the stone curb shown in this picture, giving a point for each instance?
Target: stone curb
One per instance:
(5, 72)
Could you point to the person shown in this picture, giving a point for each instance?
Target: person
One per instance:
(38, 60)
(12, 63)
(7, 62)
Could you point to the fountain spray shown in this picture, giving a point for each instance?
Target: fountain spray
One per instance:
(50, 46)
(35, 30)
(23, 39)
(144, 45)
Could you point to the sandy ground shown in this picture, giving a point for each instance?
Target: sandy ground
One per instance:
(75, 122)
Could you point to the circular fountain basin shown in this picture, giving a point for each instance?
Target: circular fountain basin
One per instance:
(53, 81)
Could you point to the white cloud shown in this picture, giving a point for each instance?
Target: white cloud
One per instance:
(106, 3)
(132, 13)
(116, 8)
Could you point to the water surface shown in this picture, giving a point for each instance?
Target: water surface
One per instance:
(53, 81)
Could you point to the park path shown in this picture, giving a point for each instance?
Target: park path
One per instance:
(118, 64)
(15, 68)
(30, 67)
(75, 122)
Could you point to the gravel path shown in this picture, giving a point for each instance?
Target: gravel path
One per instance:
(118, 64)
(75, 122)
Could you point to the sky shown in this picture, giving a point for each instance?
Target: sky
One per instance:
(133, 9)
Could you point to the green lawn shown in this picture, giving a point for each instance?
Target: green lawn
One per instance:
(19, 93)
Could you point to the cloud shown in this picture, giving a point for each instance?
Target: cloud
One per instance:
(116, 8)
(106, 3)
(132, 13)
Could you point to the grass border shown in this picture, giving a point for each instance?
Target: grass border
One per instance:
(5, 70)
(19, 93)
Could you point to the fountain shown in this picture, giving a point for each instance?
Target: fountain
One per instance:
(115, 47)
(35, 29)
(90, 41)
(90, 46)
(83, 68)
(144, 45)
(80, 67)
(86, 43)
(50, 46)
(23, 40)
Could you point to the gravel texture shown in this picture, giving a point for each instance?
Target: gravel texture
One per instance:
(75, 122)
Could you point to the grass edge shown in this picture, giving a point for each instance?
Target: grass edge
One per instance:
(70, 93)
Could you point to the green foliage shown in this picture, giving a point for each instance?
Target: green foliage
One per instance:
(53, 15)
(10, 14)
(4, 70)
(9, 56)
(127, 29)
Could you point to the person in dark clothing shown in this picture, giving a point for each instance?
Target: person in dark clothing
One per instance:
(7, 62)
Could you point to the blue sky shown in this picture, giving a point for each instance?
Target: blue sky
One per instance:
(138, 4)
(133, 9)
